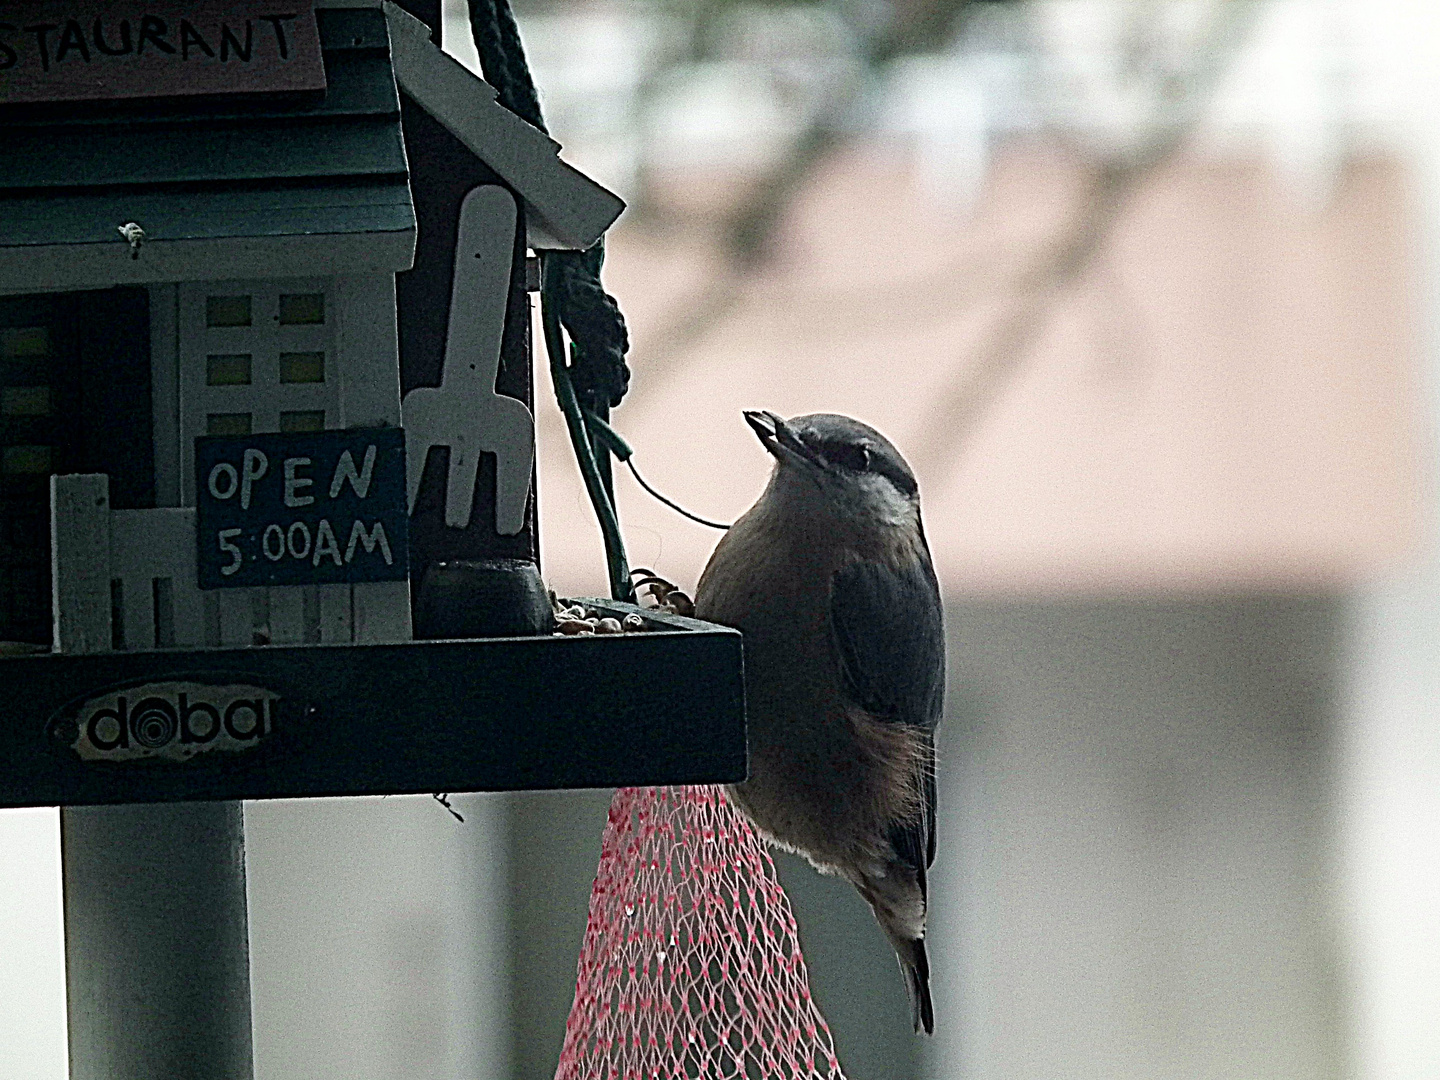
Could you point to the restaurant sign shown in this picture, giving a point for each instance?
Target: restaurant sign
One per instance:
(102, 50)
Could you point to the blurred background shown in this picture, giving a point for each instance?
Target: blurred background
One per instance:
(1147, 293)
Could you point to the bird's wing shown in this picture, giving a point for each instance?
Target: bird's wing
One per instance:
(889, 633)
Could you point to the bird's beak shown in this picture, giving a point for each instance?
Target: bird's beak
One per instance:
(764, 424)
(776, 436)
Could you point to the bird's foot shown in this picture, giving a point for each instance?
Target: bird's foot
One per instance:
(664, 595)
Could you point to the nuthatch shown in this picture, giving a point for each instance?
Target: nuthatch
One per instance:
(829, 578)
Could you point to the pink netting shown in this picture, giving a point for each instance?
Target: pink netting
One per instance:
(691, 967)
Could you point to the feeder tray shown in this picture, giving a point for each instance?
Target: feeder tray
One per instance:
(662, 706)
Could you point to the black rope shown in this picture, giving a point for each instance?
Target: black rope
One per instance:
(671, 503)
(502, 59)
(589, 314)
(596, 327)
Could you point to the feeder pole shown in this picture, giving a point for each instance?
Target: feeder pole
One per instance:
(157, 954)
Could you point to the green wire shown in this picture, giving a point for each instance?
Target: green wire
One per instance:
(620, 587)
(607, 436)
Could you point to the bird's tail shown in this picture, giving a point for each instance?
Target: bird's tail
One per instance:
(915, 966)
(898, 900)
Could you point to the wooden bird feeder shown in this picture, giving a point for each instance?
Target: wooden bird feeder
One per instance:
(265, 361)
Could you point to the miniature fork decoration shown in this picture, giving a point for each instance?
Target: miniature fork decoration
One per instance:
(464, 412)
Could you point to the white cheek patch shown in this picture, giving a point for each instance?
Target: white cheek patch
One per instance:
(804, 489)
(880, 499)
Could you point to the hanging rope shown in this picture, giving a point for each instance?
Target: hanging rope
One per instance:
(596, 376)
(593, 320)
(502, 59)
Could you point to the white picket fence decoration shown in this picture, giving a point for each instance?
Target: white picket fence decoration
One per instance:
(139, 566)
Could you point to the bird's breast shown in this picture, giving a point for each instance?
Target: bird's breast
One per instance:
(811, 765)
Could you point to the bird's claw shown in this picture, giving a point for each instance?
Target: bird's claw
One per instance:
(666, 595)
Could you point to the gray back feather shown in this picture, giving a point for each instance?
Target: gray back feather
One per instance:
(889, 631)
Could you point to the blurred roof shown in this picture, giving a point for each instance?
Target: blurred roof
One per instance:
(1225, 397)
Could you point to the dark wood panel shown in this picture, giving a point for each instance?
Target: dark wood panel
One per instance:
(664, 707)
(343, 29)
(114, 400)
(361, 84)
(300, 148)
(91, 364)
(443, 171)
(236, 210)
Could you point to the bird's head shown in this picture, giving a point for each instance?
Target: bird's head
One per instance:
(851, 465)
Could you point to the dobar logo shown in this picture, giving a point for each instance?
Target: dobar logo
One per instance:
(168, 720)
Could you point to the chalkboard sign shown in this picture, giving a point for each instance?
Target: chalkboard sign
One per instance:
(318, 508)
(104, 50)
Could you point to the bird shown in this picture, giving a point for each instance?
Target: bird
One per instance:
(829, 578)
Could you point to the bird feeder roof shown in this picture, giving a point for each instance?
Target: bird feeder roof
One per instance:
(229, 188)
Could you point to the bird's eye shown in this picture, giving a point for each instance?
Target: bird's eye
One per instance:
(850, 456)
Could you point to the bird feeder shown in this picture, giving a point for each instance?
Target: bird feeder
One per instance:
(265, 362)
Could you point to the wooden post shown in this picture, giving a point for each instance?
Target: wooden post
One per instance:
(157, 957)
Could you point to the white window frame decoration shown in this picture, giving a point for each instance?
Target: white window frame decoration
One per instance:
(265, 339)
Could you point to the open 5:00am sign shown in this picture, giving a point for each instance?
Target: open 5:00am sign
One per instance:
(318, 508)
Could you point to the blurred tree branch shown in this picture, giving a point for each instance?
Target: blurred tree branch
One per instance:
(747, 233)
(1179, 96)
(955, 416)
(914, 26)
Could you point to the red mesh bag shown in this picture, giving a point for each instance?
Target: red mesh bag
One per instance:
(691, 966)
